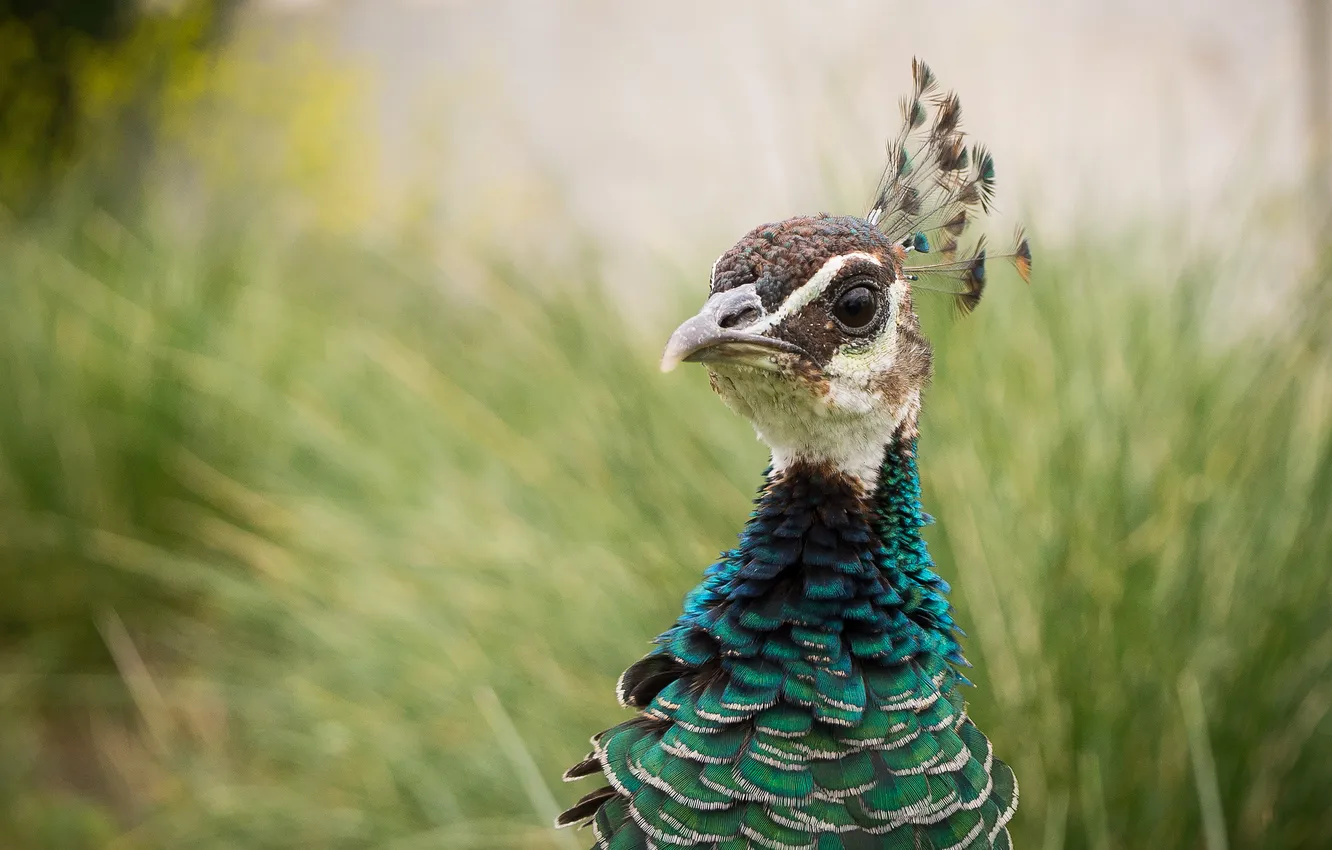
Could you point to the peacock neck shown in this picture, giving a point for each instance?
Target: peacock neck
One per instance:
(827, 579)
(854, 557)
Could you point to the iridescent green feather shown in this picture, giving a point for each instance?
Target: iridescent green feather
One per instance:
(807, 721)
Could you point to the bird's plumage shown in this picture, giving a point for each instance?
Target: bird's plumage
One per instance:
(809, 696)
(932, 189)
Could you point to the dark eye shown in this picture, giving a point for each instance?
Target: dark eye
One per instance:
(856, 308)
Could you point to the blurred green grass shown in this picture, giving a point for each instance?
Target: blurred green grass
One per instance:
(306, 544)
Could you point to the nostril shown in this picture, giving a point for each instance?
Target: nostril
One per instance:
(739, 318)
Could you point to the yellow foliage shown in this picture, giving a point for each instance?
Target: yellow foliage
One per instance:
(256, 115)
(284, 119)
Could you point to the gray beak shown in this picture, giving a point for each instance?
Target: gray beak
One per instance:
(716, 333)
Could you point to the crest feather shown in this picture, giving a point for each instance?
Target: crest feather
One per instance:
(934, 187)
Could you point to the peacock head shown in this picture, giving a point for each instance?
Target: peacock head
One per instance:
(810, 332)
(810, 328)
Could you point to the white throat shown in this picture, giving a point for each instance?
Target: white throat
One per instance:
(852, 444)
(848, 431)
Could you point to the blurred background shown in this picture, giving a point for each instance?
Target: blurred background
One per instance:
(338, 483)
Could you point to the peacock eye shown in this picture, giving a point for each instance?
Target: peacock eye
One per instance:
(856, 308)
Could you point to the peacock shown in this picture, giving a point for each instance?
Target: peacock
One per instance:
(810, 694)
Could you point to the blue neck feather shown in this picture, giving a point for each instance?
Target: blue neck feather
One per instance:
(808, 695)
(820, 564)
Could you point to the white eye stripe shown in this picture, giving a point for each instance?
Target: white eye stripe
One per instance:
(809, 290)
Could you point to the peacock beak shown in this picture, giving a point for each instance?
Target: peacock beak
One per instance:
(717, 332)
